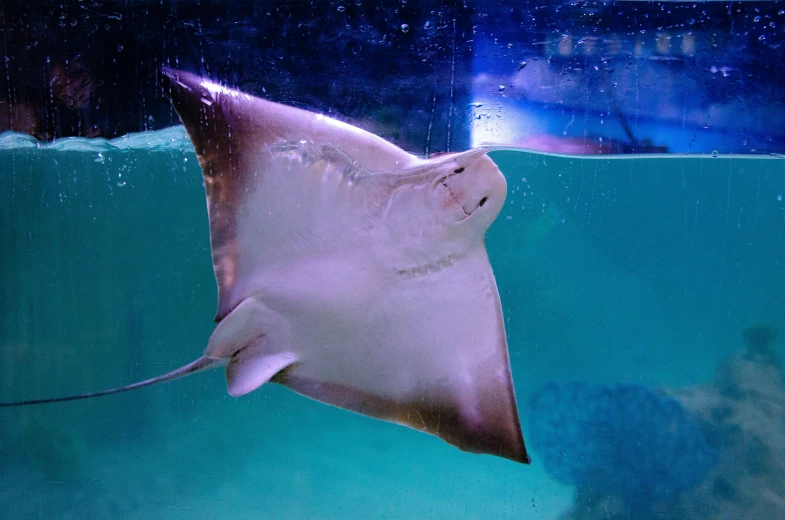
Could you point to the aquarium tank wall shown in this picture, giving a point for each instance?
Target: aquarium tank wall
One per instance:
(639, 257)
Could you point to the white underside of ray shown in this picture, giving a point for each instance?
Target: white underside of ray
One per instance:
(318, 266)
(315, 208)
(302, 207)
(344, 264)
(392, 336)
(399, 338)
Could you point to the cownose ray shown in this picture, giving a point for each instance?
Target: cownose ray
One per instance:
(349, 270)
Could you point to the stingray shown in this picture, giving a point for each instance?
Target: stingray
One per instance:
(349, 270)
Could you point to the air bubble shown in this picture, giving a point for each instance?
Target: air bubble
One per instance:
(756, 19)
(762, 37)
(715, 153)
(341, 9)
(405, 27)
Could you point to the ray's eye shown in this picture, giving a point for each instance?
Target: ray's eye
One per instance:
(483, 201)
(459, 170)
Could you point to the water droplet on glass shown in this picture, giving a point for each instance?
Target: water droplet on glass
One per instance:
(715, 153)
(405, 27)
(341, 9)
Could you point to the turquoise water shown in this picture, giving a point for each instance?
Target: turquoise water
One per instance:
(642, 270)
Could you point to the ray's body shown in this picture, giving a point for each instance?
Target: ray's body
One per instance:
(350, 270)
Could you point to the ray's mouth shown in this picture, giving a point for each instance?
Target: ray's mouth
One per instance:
(453, 199)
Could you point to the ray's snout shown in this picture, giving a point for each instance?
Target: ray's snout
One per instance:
(478, 185)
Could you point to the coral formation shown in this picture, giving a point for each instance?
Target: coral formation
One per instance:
(743, 411)
(715, 451)
(622, 441)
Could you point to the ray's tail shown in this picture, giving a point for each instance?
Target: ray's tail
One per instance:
(201, 364)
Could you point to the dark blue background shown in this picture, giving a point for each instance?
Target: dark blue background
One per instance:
(402, 69)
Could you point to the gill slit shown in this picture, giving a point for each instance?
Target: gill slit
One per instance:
(429, 268)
